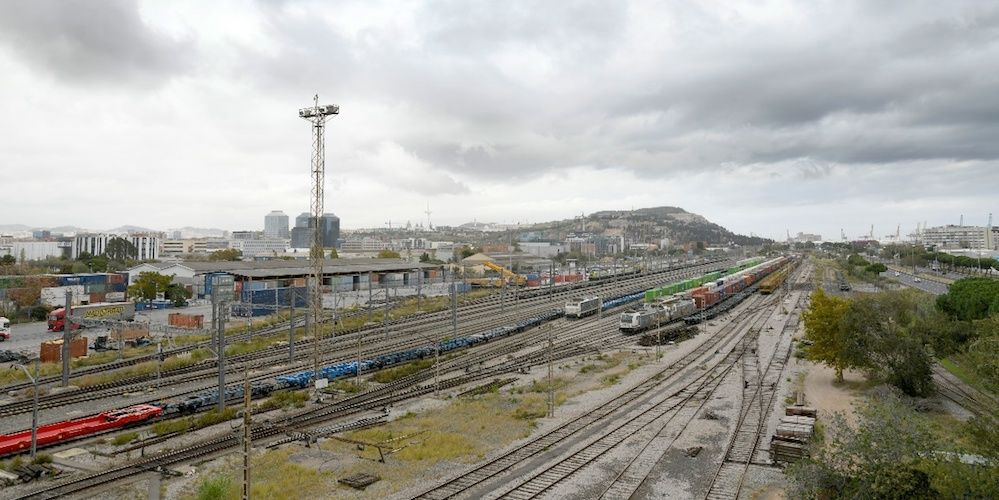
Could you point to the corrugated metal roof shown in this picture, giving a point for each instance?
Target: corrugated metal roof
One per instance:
(358, 266)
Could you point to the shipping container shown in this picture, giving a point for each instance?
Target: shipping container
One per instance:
(114, 297)
(195, 321)
(97, 297)
(50, 351)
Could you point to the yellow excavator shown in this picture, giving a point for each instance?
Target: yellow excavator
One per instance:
(511, 277)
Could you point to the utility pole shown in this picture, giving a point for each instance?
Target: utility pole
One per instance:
(385, 312)
(317, 115)
(220, 347)
(454, 308)
(292, 295)
(247, 436)
(67, 336)
(551, 386)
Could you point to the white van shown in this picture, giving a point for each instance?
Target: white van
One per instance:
(4, 329)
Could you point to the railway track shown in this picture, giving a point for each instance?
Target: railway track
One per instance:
(760, 383)
(477, 318)
(544, 443)
(955, 390)
(373, 400)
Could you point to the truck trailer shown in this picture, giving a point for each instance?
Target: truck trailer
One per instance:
(122, 311)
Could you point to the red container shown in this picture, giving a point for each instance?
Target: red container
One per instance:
(116, 279)
(97, 297)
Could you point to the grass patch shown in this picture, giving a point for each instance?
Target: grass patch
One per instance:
(125, 438)
(206, 419)
(462, 431)
(285, 399)
(275, 475)
(215, 488)
(610, 380)
(42, 458)
(391, 374)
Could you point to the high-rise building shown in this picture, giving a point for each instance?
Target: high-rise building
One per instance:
(301, 234)
(276, 225)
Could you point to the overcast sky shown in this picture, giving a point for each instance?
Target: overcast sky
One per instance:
(762, 116)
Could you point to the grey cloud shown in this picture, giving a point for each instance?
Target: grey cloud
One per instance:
(82, 41)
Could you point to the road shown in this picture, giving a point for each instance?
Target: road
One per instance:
(28, 336)
(934, 287)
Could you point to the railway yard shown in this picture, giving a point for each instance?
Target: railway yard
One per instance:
(544, 397)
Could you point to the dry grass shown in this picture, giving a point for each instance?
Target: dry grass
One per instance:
(274, 476)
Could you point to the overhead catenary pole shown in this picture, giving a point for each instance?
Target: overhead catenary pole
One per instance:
(220, 348)
(551, 386)
(317, 115)
(292, 295)
(67, 336)
(247, 435)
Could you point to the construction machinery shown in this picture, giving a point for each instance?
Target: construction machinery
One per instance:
(511, 277)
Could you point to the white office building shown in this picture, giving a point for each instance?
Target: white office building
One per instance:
(951, 237)
(147, 246)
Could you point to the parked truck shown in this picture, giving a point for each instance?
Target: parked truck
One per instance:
(4, 329)
(124, 311)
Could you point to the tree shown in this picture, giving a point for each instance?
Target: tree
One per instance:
(177, 294)
(334, 254)
(876, 268)
(388, 254)
(890, 330)
(856, 260)
(970, 299)
(824, 327)
(8, 260)
(467, 251)
(425, 257)
(120, 249)
(148, 285)
(230, 254)
(884, 457)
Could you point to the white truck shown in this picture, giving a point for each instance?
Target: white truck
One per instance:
(4, 329)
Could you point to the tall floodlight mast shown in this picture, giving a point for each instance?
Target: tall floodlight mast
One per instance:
(317, 116)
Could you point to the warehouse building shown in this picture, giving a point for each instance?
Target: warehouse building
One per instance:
(338, 274)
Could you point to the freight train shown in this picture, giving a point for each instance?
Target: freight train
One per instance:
(650, 315)
(696, 294)
(580, 308)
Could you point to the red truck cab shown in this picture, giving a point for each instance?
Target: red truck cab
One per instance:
(57, 320)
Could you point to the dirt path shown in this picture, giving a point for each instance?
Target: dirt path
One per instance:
(829, 396)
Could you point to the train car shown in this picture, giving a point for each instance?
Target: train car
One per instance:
(639, 320)
(578, 308)
(81, 427)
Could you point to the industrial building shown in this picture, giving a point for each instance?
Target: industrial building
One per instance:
(34, 250)
(345, 274)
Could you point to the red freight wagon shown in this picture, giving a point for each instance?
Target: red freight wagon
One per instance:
(72, 429)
